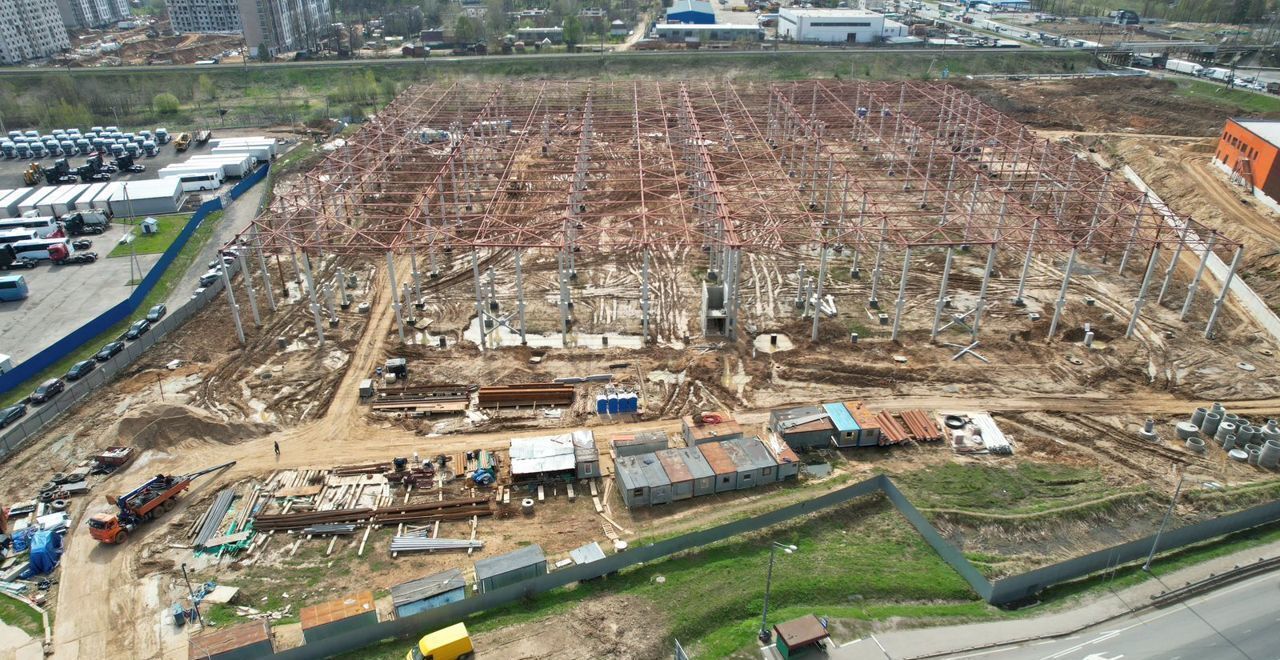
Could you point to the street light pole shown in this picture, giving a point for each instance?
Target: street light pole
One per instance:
(765, 636)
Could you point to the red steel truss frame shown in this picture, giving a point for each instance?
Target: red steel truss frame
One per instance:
(632, 165)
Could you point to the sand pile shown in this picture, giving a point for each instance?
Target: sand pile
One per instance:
(163, 426)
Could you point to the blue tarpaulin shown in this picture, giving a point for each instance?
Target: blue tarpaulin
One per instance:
(46, 550)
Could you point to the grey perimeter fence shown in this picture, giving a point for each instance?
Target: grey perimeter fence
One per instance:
(17, 435)
(1002, 592)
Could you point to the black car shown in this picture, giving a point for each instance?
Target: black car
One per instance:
(156, 313)
(81, 369)
(47, 390)
(21, 263)
(109, 350)
(139, 328)
(12, 413)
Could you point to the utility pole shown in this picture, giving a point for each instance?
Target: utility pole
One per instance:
(1156, 542)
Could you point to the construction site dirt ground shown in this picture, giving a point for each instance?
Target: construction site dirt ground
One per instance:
(1072, 411)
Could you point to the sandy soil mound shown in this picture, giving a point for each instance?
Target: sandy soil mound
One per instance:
(611, 626)
(167, 425)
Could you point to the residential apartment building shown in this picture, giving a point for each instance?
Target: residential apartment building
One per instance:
(31, 29)
(284, 25)
(204, 16)
(93, 13)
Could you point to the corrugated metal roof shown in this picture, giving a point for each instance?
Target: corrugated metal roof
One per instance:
(718, 458)
(337, 610)
(696, 463)
(426, 587)
(213, 642)
(674, 466)
(841, 418)
(781, 451)
(543, 454)
(700, 6)
(864, 417)
(700, 431)
(641, 471)
(587, 553)
(530, 555)
(754, 453)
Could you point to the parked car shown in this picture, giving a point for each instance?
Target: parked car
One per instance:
(156, 313)
(25, 263)
(217, 264)
(109, 350)
(209, 278)
(47, 390)
(81, 369)
(11, 414)
(139, 328)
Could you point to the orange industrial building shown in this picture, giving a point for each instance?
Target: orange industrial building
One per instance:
(1249, 149)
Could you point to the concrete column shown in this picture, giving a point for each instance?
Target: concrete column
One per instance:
(564, 299)
(417, 277)
(1222, 296)
(262, 265)
(524, 337)
(875, 270)
(1026, 264)
(1142, 291)
(644, 296)
(1195, 281)
(231, 300)
(817, 305)
(942, 293)
(902, 293)
(1062, 293)
(395, 295)
(248, 286)
(1173, 262)
(1133, 235)
(315, 300)
(982, 291)
(480, 311)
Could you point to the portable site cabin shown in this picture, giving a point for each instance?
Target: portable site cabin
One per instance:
(10, 200)
(642, 481)
(246, 641)
(804, 427)
(585, 455)
(151, 197)
(846, 430)
(428, 592)
(338, 617)
(752, 461)
(784, 456)
(868, 425)
(640, 442)
(709, 427)
(271, 145)
(725, 470)
(678, 473)
(504, 570)
(262, 153)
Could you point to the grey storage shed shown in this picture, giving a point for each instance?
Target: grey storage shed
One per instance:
(677, 472)
(642, 481)
(761, 458)
(640, 442)
(585, 454)
(704, 478)
(524, 564)
(428, 592)
(805, 427)
(725, 470)
(751, 468)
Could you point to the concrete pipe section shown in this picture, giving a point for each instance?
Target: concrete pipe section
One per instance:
(1211, 422)
(1239, 455)
(1195, 445)
(1186, 430)
(1224, 429)
(1197, 417)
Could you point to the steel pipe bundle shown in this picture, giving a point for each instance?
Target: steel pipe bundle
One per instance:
(443, 510)
(213, 519)
(421, 544)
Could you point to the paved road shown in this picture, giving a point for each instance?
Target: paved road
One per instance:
(1238, 622)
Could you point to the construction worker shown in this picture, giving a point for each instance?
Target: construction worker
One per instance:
(277, 446)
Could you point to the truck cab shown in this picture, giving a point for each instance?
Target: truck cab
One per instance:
(106, 528)
(452, 643)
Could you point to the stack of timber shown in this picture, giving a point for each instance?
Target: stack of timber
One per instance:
(459, 509)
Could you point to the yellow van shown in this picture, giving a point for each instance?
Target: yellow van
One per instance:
(452, 643)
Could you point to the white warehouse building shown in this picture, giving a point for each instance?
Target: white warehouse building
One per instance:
(831, 25)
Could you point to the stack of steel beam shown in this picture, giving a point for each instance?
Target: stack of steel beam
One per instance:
(529, 394)
(460, 509)
(421, 544)
(213, 517)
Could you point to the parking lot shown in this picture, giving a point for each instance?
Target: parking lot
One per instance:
(11, 169)
(63, 298)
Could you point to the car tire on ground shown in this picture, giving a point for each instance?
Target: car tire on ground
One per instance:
(59, 505)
